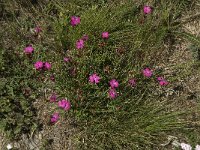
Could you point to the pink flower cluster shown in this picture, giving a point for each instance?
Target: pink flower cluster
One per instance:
(112, 92)
(55, 117)
(105, 35)
(147, 9)
(162, 81)
(80, 44)
(28, 50)
(64, 104)
(94, 78)
(39, 65)
(75, 20)
(147, 72)
(114, 83)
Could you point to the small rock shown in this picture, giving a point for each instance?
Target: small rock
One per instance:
(9, 146)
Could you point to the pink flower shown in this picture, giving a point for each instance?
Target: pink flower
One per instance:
(47, 66)
(147, 72)
(75, 20)
(112, 93)
(132, 82)
(114, 83)
(66, 59)
(147, 9)
(162, 81)
(37, 29)
(28, 49)
(65, 104)
(105, 35)
(197, 147)
(94, 78)
(85, 38)
(160, 78)
(52, 78)
(38, 65)
(53, 97)
(186, 146)
(55, 117)
(79, 44)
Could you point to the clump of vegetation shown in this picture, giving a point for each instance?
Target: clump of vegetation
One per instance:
(100, 64)
(17, 96)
